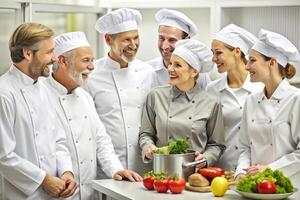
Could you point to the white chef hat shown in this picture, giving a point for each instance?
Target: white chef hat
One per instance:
(176, 19)
(276, 46)
(194, 53)
(236, 36)
(117, 21)
(68, 41)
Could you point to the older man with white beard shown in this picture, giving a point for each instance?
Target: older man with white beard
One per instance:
(87, 139)
(119, 85)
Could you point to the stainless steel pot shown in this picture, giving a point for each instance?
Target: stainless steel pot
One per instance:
(182, 164)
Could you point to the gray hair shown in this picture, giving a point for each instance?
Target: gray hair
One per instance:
(70, 55)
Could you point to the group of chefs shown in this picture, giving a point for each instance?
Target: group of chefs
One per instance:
(103, 119)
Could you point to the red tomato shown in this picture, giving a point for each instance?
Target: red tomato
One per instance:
(211, 172)
(148, 183)
(161, 186)
(266, 187)
(176, 186)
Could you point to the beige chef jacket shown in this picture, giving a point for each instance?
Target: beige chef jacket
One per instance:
(172, 114)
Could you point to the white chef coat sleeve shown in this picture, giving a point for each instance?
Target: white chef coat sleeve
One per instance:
(147, 133)
(244, 142)
(63, 158)
(21, 173)
(106, 155)
(289, 163)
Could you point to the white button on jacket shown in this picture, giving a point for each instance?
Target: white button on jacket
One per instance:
(24, 157)
(89, 144)
(113, 89)
(270, 131)
(232, 107)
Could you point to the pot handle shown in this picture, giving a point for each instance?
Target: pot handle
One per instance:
(192, 164)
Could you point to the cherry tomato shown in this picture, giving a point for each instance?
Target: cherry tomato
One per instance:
(148, 180)
(177, 186)
(211, 172)
(148, 183)
(161, 185)
(266, 187)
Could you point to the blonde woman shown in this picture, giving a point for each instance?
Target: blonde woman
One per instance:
(230, 47)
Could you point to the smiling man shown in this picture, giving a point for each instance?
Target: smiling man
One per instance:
(119, 85)
(89, 144)
(173, 26)
(34, 159)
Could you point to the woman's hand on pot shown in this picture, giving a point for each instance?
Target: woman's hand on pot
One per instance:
(200, 156)
(149, 152)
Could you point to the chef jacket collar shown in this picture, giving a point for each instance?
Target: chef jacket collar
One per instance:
(224, 84)
(281, 90)
(113, 65)
(189, 94)
(279, 93)
(24, 79)
(59, 87)
(160, 65)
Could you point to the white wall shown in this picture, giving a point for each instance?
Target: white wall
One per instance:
(149, 30)
(284, 20)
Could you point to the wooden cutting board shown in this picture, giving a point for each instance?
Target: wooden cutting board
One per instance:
(202, 189)
(198, 189)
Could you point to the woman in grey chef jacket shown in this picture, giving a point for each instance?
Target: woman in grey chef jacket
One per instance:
(270, 131)
(182, 109)
(230, 47)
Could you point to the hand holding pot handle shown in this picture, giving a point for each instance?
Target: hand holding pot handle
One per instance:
(200, 156)
(150, 150)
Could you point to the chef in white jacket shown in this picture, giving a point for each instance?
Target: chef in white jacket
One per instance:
(270, 131)
(230, 47)
(173, 26)
(119, 85)
(87, 139)
(34, 159)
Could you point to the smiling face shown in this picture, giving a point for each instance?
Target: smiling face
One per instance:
(41, 59)
(82, 65)
(258, 67)
(224, 57)
(181, 74)
(123, 46)
(167, 37)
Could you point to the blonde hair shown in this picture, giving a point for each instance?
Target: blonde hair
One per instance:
(27, 35)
